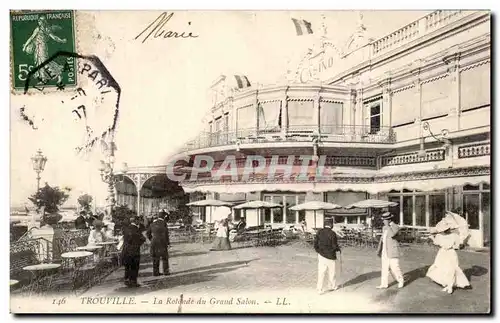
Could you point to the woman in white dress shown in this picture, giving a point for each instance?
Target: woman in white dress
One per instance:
(445, 270)
(221, 241)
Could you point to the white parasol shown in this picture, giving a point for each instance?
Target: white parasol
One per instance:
(454, 221)
(210, 203)
(315, 206)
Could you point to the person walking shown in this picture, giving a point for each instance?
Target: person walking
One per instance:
(445, 270)
(326, 245)
(158, 235)
(131, 252)
(221, 241)
(388, 250)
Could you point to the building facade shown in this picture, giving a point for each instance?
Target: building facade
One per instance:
(404, 118)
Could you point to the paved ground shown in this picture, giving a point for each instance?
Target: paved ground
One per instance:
(264, 274)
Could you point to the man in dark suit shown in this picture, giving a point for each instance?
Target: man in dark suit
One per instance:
(158, 234)
(80, 222)
(131, 253)
(240, 227)
(325, 244)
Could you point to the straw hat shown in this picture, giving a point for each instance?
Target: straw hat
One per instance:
(387, 216)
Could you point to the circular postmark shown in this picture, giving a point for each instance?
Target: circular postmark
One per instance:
(95, 108)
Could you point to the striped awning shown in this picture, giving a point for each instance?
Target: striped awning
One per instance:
(372, 188)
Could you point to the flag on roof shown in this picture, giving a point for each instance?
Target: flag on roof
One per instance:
(302, 26)
(242, 81)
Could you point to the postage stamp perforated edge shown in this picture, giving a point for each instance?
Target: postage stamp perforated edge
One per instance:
(47, 90)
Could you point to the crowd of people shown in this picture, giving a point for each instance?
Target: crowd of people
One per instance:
(449, 234)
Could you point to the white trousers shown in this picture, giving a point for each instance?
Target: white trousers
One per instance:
(393, 265)
(326, 268)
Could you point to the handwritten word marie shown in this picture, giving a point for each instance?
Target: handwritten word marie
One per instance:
(157, 29)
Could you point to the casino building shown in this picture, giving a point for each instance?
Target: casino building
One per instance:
(405, 118)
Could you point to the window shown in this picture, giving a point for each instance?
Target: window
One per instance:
(266, 212)
(339, 219)
(475, 87)
(245, 119)
(277, 214)
(471, 210)
(290, 215)
(330, 118)
(471, 188)
(269, 116)
(403, 107)
(352, 219)
(284, 214)
(435, 98)
(395, 210)
(420, 210)
(302, 214)
(437, 207)
(301, 113)
(407, 210)
(373, 116)
(485, 209)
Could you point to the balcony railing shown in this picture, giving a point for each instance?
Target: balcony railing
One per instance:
(324, 133)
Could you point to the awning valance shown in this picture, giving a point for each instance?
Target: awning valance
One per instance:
(372, 188)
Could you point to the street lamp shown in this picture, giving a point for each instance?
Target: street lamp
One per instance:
(442, 138)
(39, 161)
(108, 176)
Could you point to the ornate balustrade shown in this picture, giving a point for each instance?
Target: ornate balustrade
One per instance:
(325, 133)
(416, 29)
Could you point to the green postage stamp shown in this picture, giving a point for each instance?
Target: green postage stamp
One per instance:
(36, 36)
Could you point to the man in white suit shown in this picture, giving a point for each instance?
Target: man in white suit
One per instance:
(388, 250)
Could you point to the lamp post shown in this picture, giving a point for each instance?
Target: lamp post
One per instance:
(108, 176)
(39, 161)
(442, 138)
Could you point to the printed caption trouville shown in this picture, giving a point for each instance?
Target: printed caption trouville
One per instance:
(132, 300)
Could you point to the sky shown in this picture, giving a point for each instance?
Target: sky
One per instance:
(164, 84)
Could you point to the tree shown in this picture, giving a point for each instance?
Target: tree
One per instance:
(121, 216)
(85, 202)
(50, 199)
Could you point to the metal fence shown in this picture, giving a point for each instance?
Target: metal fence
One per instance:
(325, 133)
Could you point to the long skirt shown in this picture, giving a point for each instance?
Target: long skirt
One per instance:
(445, 270)
(221, 244)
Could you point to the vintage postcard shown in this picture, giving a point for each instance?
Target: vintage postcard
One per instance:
(250, 161)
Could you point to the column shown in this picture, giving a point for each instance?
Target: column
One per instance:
(454, 99)
(256, 107)
(348, 113)
(352, 113)
(418, 106)
(481, 221)
(413, 214)
(284, 115)
(316, 111)
(358, 116)
(386, 104)
(138, 201)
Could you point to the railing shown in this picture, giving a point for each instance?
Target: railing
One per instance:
(418, 28)
(28, 252)
(325, 133)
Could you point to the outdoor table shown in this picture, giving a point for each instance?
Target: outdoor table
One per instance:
(78, 258)
(39, 272)
(107, 245)
(92, 248)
